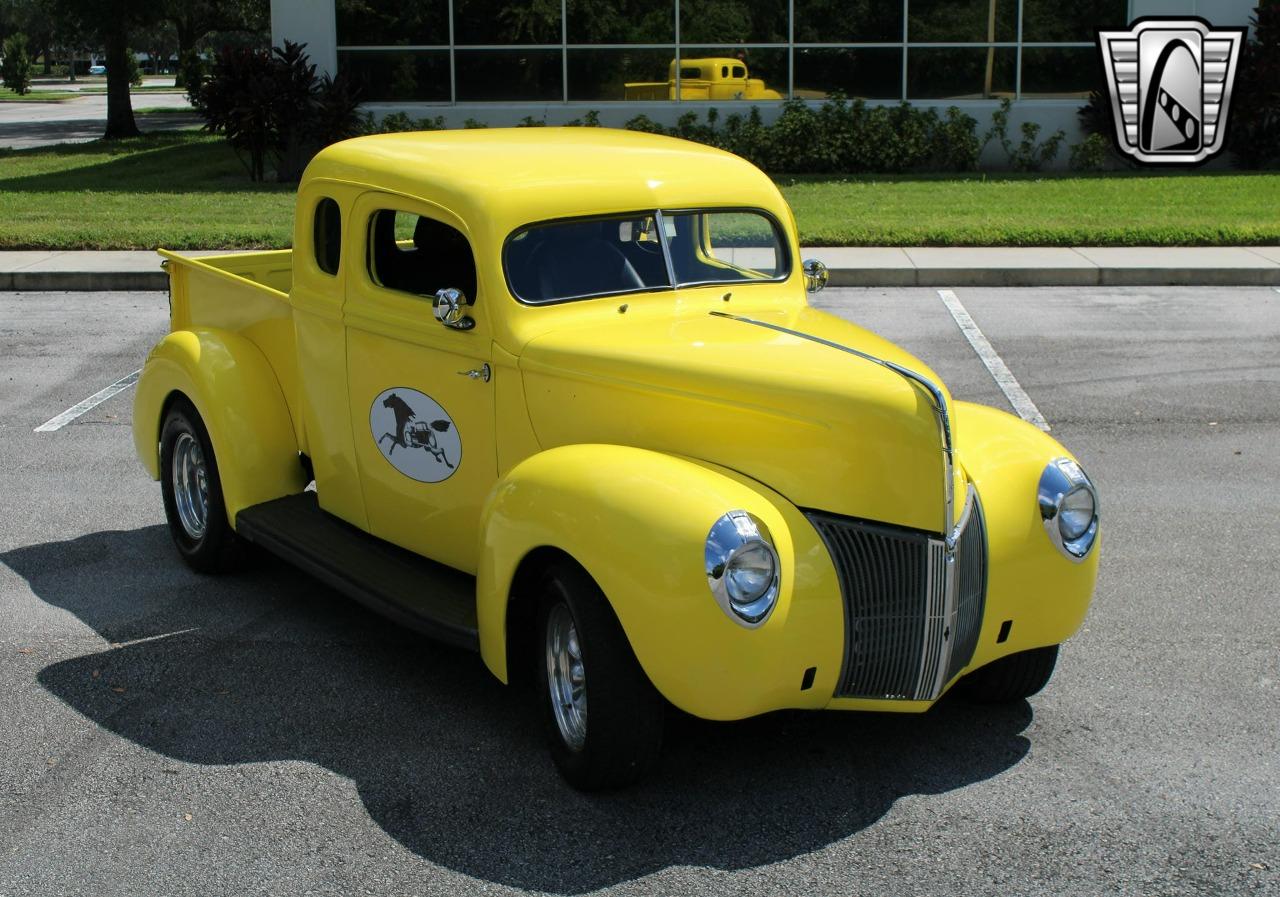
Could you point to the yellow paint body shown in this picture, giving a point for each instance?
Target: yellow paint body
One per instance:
(616, 430)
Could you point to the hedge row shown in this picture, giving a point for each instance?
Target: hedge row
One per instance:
(839, 137)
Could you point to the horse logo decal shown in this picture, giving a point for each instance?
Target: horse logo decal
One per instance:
(429, 443)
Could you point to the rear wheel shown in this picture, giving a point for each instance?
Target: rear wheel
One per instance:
(193, 493)
(602, 715)
(1010, 678)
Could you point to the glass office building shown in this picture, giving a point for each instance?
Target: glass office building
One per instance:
(624, 56)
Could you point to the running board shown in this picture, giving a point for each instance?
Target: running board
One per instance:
(431, 598)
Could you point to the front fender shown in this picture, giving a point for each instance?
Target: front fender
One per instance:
(232, 386)
(637, 521)
(1030, 583)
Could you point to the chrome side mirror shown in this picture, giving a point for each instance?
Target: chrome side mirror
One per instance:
(815, 275)
(450, 308)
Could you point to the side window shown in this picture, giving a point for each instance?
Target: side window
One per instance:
(724, 71)
(327, 236)
(419, 255)
(739, 72)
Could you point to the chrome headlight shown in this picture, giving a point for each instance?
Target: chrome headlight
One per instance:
(1069, 507)
(742, 568)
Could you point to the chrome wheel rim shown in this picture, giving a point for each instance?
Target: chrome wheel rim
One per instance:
(190, 485)
(566, 678)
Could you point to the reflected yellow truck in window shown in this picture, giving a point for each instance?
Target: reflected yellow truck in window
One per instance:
(559, 396)
(704, 79)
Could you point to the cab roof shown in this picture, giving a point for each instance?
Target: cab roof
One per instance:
(501, 178)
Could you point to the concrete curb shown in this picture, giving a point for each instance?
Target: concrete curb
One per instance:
(1052, 277)
(875, 266)
(84, 281)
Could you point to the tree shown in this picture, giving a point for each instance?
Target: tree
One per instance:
(16, 69)
(194, 19)
(158, 42)
(27, 17)
(114, 21)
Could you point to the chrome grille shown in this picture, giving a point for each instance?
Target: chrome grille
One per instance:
(912, 615)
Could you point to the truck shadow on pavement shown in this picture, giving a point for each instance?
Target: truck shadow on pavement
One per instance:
(270, 665)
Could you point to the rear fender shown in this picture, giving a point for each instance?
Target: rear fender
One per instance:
(235, 392)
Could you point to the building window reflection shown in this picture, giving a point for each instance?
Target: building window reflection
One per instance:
(606, 51)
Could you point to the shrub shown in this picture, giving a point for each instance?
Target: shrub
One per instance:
(16, 68)
(747, 137)
(1091, 154)
(590, 120)
(192, 72)
(1095, 116)
(837, 137)
(644, 123)
(1030, 154)
(1255, 105)
(795, 142)
(135, 71)
(956, 146)
(272, 106)
(397, 122)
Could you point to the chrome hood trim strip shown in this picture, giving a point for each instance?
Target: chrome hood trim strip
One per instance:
(940, 408)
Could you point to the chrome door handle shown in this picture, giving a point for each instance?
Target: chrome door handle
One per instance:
(482, 373)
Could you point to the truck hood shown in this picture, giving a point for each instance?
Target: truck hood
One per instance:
(825, 428)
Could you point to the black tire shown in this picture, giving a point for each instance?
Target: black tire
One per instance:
(217, 548)
(1010, 678)
(623, 730)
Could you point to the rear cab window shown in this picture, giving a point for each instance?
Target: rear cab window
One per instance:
(327, 235)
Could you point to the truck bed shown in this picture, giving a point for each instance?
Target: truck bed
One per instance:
(243, 292)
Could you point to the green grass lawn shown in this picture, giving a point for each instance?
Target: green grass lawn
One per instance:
(188, 191)
(1117, 209)
(134, 90)
(36, 95)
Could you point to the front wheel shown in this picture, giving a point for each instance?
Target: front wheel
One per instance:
(193, 493)
(603, 717)
(1010, 678)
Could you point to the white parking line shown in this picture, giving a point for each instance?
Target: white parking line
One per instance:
(66, 417)
(999, 371)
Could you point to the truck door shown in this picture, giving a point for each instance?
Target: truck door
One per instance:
(420, 392)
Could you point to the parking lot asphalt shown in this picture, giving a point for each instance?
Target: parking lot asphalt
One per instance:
(77, 120)
(166, 733)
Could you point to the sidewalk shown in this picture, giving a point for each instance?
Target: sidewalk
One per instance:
(849, 266)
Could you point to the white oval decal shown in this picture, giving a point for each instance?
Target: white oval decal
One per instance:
(415, 434)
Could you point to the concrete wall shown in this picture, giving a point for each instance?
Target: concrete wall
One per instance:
(1216, 12)
(309, 22)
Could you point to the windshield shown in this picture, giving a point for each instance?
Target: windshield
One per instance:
(583, 258)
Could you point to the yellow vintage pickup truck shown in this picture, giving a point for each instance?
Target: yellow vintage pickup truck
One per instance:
(557, 395)
(713, 78)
